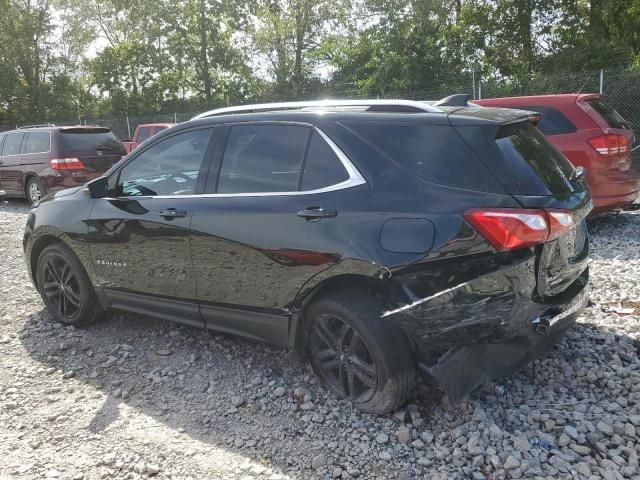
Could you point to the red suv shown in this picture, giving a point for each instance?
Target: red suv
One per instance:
(39, 159)
(591, 134)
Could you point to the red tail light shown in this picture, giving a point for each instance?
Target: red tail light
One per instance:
(610, 145)
(511, 228)
(66, 164)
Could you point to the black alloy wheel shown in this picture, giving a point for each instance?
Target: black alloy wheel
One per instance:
(343, 359)
(65, 288)
(356, 353)
(61, 287)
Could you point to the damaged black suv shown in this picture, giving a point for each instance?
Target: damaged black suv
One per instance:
(376, 237)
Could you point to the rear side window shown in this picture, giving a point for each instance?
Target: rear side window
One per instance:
(88, 140)
(322, 167)
(552, 122)
(263, 158)
(12, 144)
(38, 142)
(143, 134)
(608, 113)
(433, 152)
(525, 149)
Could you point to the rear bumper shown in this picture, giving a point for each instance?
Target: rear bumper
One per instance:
(613, 190)
(488, 327)
(55, 181)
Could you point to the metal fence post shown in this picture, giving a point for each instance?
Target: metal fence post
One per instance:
(601, 79)
(175, 117)
(473, 82)
(479, 89)
(128, 127)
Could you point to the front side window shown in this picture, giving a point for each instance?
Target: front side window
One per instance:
(12, 144)
(38, 142)
(170, 167)
(263, 158)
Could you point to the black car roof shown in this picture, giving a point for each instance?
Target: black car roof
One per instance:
(457, 115)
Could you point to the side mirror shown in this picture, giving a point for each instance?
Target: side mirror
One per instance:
(99, 188)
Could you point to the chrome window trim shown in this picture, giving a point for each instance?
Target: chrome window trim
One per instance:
(36, 153)
(355, 179)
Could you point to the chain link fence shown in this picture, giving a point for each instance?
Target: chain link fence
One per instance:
(621, 87)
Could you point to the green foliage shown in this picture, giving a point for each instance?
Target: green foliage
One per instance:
(61, 59)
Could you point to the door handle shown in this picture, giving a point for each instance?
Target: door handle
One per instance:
(316, 213)
(170, 213)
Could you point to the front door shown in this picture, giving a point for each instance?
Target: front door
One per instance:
(281, 212)
(139, 238)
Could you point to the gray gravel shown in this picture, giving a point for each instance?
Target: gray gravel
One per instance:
(136, 397)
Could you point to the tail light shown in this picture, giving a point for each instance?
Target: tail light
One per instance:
(66, 164)
(510, 228)
(610, 145)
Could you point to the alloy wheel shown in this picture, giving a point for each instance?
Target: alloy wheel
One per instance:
(35, 194)
(342, 359)
(61, 287)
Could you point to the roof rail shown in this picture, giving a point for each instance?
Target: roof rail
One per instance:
(456, 100)
(385, 105)
(42, 125)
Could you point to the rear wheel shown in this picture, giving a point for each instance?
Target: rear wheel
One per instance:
(35, 190)
(65, 287)
(358, 355)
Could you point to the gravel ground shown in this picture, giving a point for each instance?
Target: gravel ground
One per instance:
(136, 397)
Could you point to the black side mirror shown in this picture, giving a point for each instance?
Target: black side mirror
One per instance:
(99, 188)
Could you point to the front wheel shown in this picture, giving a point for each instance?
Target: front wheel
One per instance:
(65, 287)
(358, 355)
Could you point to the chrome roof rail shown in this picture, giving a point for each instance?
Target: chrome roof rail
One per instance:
(385, 105)
(42, 125)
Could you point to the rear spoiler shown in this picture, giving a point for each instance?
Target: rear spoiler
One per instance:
(456, 100)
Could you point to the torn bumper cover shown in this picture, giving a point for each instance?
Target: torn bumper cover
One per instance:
(488, 327)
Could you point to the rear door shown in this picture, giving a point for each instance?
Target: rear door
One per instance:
(11, 164)
(280, 203)
(139, 236)
(97, 148)
(37, 149)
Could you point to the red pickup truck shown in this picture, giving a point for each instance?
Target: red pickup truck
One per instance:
(144, 132)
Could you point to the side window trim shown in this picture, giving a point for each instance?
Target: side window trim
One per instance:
(354, 179)
(114, 176)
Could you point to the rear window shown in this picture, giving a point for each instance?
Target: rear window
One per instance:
(525, 149)
(433, 152)
(552, 122)
(608, 113)
(88, 140)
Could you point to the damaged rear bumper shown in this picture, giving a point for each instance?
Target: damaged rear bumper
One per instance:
(488, 327)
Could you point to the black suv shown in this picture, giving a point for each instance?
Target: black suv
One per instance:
(377, 237)
(38, 159)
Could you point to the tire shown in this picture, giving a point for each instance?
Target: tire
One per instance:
(375, 360)
(75, 303)
(35, 190)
